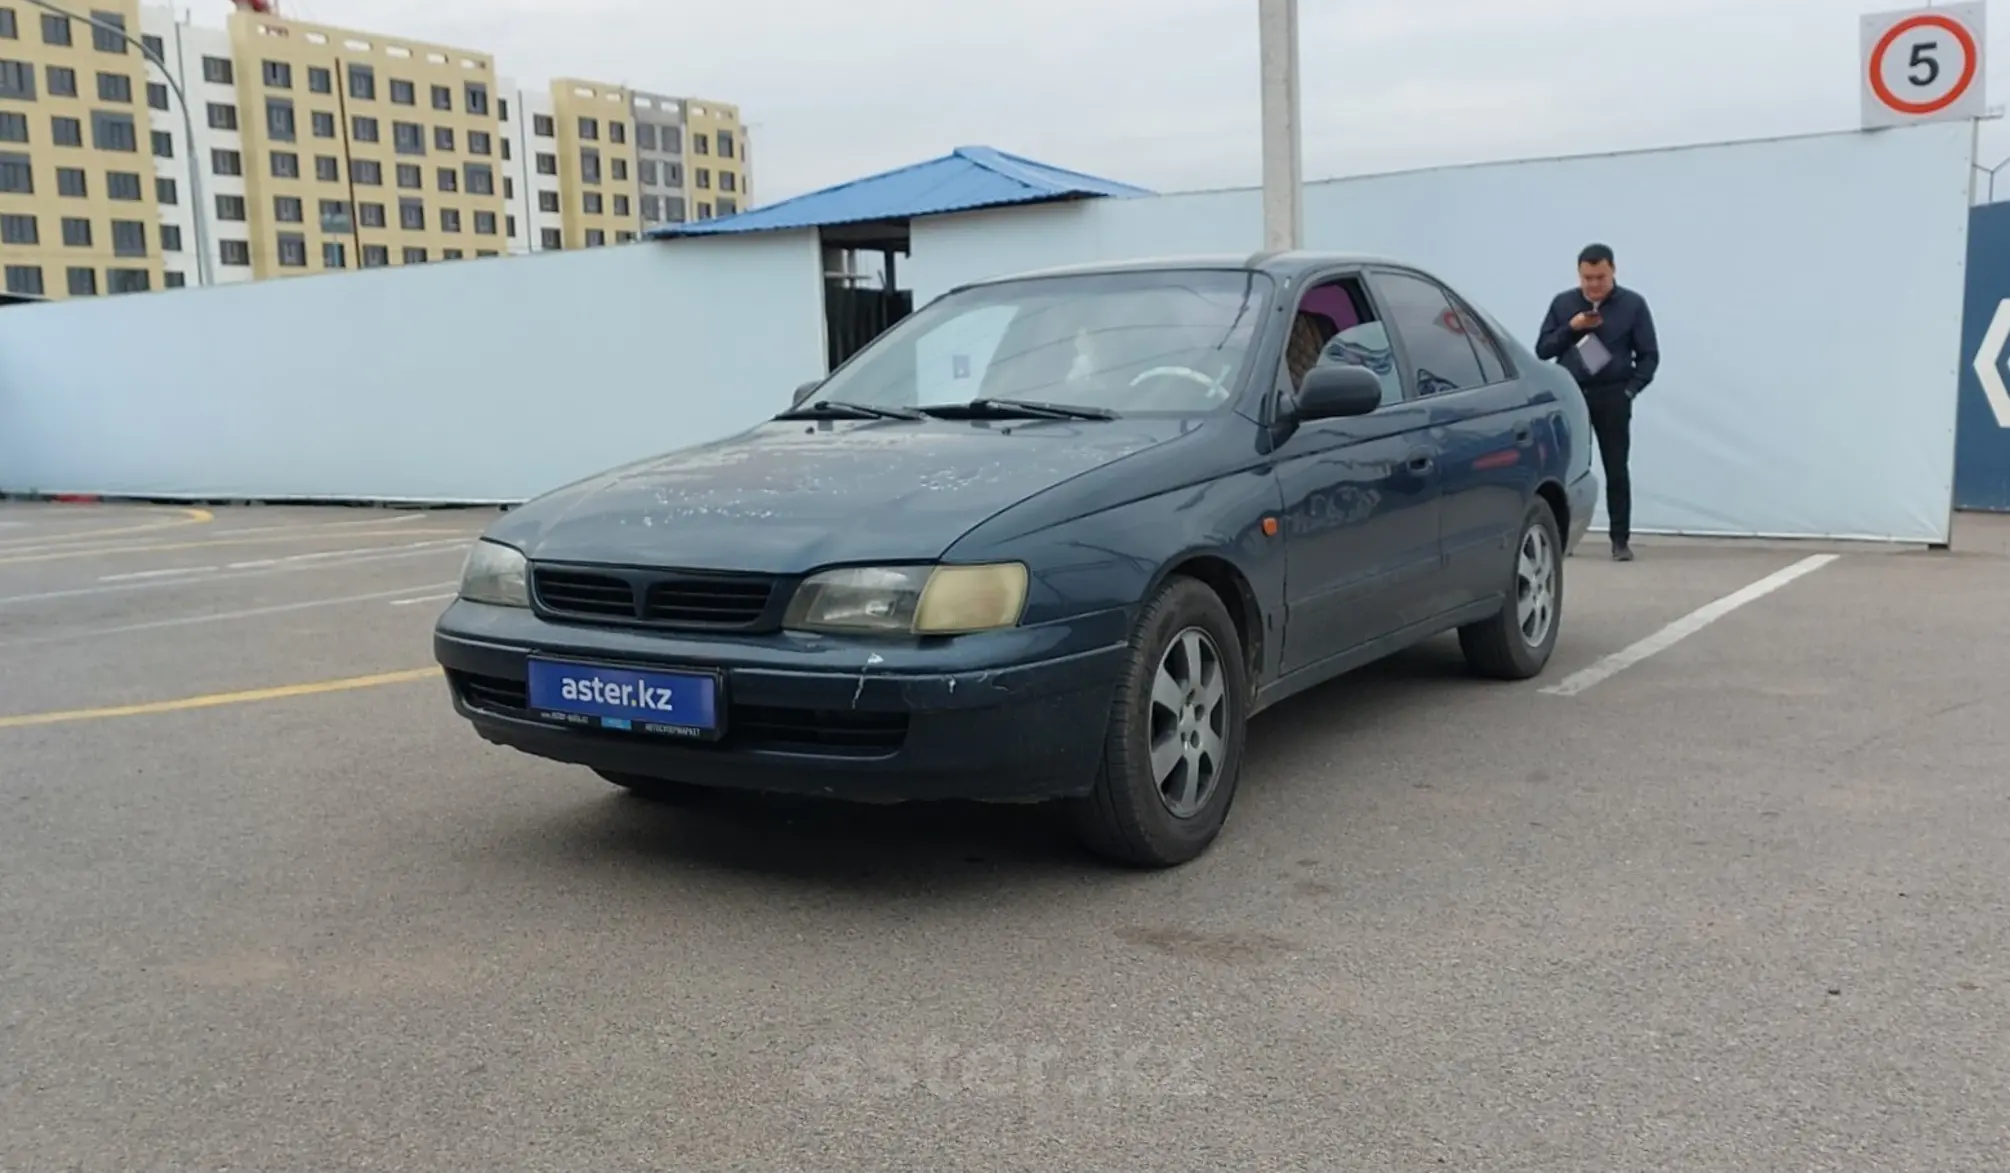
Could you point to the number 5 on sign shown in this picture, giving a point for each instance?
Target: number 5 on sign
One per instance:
(1924, 65)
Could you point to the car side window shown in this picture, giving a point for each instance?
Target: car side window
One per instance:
(1433, 335)
(1493, 363)
(1336, 324)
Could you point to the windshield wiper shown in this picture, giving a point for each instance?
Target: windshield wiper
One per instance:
(836, 408)
(1020, 408)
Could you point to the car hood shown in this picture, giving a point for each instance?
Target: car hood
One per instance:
(791, 495)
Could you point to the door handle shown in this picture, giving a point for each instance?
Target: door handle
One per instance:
(1420, 462)
(1524, 434)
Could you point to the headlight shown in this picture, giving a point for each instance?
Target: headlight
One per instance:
(922, 600)
(495, 573)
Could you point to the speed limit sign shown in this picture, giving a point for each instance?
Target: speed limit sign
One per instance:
(1923, 65)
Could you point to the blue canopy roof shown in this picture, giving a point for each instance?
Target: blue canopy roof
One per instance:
(966, 178)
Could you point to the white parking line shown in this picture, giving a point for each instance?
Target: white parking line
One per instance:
(217, 617)
(1685, 627)
(422, 599)
(137, 574)
(364, 556)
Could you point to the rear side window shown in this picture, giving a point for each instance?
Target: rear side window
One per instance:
(1431, 332)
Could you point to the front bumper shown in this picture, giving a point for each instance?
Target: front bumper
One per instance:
(1006, 716)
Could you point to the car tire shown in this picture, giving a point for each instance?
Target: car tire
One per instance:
(1516, 643)
(660, 790)
(1142, 811)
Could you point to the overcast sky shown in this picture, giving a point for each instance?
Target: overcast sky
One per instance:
(1163, 93)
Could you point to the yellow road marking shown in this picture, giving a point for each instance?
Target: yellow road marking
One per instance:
(149, 548)
(215, 699)
(189, 517)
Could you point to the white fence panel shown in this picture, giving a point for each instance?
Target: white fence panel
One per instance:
(1808, 294)
(469, 381)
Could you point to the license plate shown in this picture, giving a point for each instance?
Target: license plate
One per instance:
(671, 704)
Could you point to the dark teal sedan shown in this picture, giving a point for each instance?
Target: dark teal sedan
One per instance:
(1053, 537)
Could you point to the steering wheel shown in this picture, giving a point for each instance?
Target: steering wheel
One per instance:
(1208, 382)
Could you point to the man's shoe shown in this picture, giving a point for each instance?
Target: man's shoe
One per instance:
(1622, 553)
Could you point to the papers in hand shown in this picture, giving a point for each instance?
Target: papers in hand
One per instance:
(1593, 354)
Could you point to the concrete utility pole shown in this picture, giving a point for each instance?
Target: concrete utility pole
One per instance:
(202, 270)
(1283, 142)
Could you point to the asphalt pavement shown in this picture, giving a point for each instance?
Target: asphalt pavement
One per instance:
(1732, 900)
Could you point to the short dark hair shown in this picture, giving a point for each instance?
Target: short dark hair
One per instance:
(1595, 254)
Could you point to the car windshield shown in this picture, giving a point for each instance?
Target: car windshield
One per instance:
(1136, 342)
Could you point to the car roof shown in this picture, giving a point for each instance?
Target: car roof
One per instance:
(1287, 265)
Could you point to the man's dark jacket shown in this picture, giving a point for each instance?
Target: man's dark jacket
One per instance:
(1627, 331)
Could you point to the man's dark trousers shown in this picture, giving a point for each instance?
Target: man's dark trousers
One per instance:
(1612, 422)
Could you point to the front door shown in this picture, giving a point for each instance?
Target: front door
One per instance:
(1360, 495)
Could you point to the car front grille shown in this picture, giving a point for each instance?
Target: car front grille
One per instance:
(655, 598)
(827, 732)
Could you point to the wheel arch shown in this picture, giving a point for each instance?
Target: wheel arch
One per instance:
(1231, 585)
(1551, 491)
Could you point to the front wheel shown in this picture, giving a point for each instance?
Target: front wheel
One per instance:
(1515, 643)
(1173, 754)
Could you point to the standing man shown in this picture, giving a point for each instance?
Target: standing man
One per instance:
(1602, 333)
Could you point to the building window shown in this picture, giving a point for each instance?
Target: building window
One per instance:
(485, 223)
(647, 172)
(285, 165)
(450, 220)
(478, 98)
(645, 136)
(123, 185)
(166, 192)
(114, 87)
(25, 280)
(704, 210)
(278, 75)
(621, 205)
(452, 254)
(235, 253)
(551, 238)
(218, 71)
(334, 255)
(593, 204)
(320, 80)
(450, 179)
(502, 110)
(408, 138)
(415, 256)
(701, 144)
(230, 207)
(617, 132)
(376, 256)
(673, 209)
(704, 178)
(410, 177)
(114, 132)
(370, 215)
(173, 280)
(728, 207)
(83, 281)
(70, 181)
(443, 138)
(66, 132)
(55, 29)
(673, 175)
(624, 237)
(412, 215)
(76, 232)
(542, 126)
(129, 238)
(324, 124)
(619, 168)
(362, 129)
(367, 172)
(289, 210)
(595, 238)
(589, 165)
(547, 164)
(170, 238)
(509, 187)
(443, 98)
(327, 168)
(725, 144)
(225, 162)
(156, 49)
(589, 128)
(479, 143)
(362, 82)
(17, 80)
(103, 39)
(163, 144)
(481, 179)
(335, 217)
(403, 93)
(292, 250)
(222, 116)
(673, 140)
(19, 229)
(279, 125)
(652, 209)
(547, 201)
(10, 27)
(505, 149)
(13, 126)
(509, 227)
(63, 81)
(727, 181)
(127, 281)
(157, 96)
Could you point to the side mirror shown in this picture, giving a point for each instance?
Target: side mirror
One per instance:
(1338, 390)
(803, 392)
